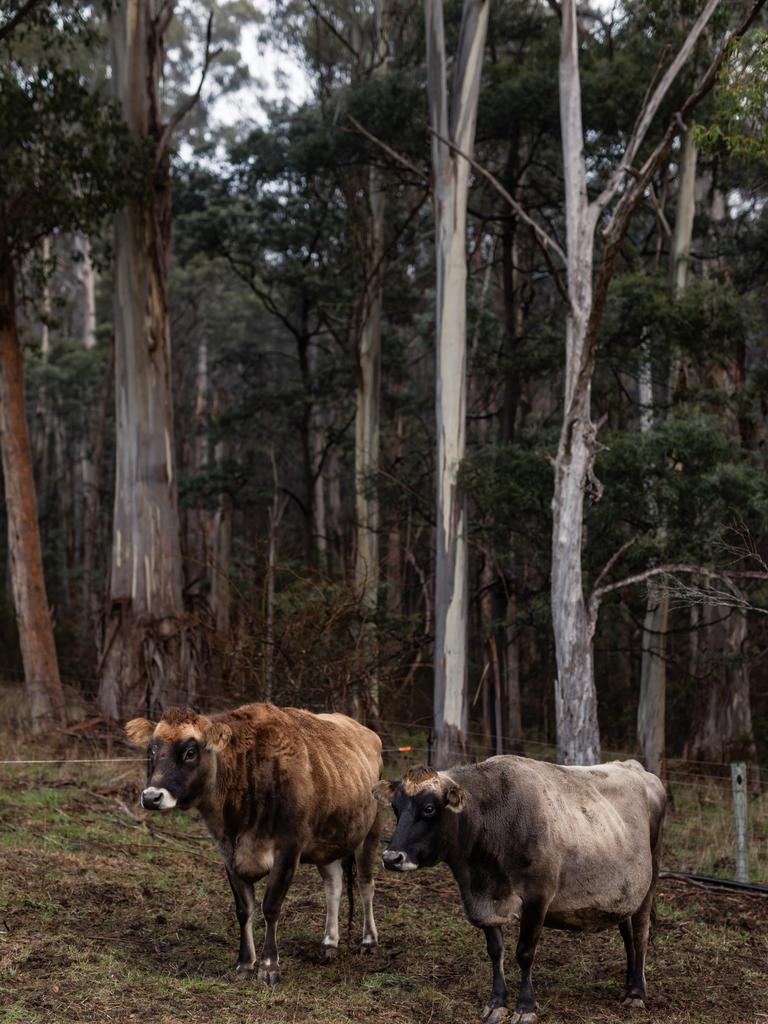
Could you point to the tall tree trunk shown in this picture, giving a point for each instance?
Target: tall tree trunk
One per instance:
(578, 738)
(198, 520)
(574, 624)
(722, 717)
(394, 558)
(368, 400)
(221, 542)
(451, 183)
(367, 413)
(92, 464)
(148, 657)
(651, 711)
(45, 697)
(88, 281)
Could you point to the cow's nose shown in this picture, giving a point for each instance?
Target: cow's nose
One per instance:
(151, 798)
(393, 859)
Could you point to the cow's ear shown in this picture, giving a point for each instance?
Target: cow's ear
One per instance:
(383, 791)
(139, 731)
(455, 798)
(216, 735)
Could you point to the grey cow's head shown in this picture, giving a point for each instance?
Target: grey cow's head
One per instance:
(424, 803)
(181, 752)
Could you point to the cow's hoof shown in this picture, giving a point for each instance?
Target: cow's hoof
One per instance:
(633, 1003)
(269, 972)
(245, 970)
(330, 952)
(519, 1017)
(495, 1014)
(366, 948)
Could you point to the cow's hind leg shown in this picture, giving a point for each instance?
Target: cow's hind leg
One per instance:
(244, 908)
(629, 947)
(278, 883)
(638, 928)
(496, 1010)
(333, 881)
(641, 926)
(365, 859)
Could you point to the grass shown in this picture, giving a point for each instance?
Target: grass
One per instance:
(110, 915)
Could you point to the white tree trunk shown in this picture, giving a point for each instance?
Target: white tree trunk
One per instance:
(574, 625)
(88, 280)
(451, 183)
(578, 738)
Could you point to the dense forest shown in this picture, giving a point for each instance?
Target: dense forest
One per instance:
(439, 397)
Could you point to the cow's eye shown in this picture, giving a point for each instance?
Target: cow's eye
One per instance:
(190, 753)
(428, 810)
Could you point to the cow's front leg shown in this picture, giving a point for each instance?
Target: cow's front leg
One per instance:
(278, 883)
(531, 923)
(244, 907)
(496, 1010)
(333, 881)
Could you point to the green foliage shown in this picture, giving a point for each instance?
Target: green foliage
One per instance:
(740, 116)
(63, 164)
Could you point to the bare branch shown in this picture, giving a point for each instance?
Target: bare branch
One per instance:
(332, 29)
(178, 116)
(669, 569)
(8, 26)
(387, 149)
(613, 560)
(544, 240)
(163, 19)
(651, 106)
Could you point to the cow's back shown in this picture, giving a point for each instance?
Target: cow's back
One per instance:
(309, 778)
(583, 835)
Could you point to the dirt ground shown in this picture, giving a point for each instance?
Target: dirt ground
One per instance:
(108, 914)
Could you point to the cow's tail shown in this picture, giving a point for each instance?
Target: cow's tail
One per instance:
(350, 871)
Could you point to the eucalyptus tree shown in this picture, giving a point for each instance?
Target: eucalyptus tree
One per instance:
(452, 119)
(150, 651)
(63, 152)
(587, 279)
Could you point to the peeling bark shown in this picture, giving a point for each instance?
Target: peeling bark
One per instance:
(148, 655)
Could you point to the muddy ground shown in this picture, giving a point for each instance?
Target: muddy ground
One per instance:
(103, 920)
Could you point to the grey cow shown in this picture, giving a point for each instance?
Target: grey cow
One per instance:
(538, 843)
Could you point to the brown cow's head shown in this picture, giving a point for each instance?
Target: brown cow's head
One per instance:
(182, 750)
(424, 803)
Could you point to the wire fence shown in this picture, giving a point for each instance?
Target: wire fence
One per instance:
(700, 833)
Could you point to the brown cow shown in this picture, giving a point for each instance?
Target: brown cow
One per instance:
(276, 787)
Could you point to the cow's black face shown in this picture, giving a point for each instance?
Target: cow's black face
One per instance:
(181, 756)
(176, 774)
(424, 804)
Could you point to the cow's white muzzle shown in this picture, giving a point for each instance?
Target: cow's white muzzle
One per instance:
(157, 799)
